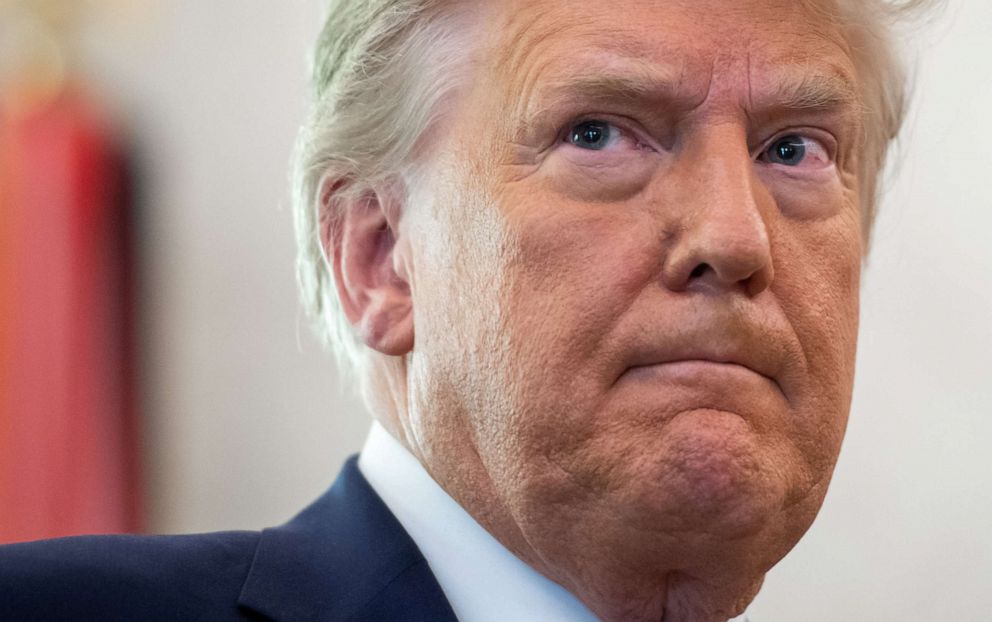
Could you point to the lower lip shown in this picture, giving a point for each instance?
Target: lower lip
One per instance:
(694, 371)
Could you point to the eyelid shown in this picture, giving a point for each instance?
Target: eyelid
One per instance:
(623, 124)
(824, 138)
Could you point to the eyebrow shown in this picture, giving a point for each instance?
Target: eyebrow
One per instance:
(609, 82)
(806, 88)
(790, 88)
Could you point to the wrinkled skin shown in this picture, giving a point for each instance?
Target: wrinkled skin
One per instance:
(633, 365)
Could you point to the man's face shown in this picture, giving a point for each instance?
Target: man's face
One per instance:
(636, 283)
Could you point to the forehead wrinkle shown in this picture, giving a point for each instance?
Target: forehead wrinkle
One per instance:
(615, 79)
(520, 74)
(612, 62)
(643, 69)
(522, 37)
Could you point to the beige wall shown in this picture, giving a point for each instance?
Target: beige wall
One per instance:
(247, 420)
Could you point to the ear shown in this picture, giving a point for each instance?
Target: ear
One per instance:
(359, 232)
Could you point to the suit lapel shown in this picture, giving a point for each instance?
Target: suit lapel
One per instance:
(345, 557)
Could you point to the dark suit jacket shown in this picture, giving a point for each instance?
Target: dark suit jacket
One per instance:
(343, 558)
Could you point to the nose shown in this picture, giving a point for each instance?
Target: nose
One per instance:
(723, 243)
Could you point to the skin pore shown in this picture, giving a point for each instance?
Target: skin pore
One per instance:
(621, 311)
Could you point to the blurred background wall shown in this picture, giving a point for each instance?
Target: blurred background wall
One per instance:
(243, 420)
(246, 419)
(243, 417)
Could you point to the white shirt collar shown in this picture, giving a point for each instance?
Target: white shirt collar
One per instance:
(482, 580)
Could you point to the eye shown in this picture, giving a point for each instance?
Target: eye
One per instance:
(794, 151)
(593, 135)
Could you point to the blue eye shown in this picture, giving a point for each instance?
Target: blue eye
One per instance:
(593, 135)
(788, 151)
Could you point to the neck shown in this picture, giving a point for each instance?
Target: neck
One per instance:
(620, 590)
(677, 597)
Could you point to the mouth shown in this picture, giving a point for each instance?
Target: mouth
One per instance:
(695, 370)
(715, 350)
(724, 355)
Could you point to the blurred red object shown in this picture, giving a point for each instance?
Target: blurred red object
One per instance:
(67, 419)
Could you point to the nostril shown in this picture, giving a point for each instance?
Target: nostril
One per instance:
(699, 271)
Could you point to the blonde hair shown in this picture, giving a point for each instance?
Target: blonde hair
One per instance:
(870, 27)
(381, 68)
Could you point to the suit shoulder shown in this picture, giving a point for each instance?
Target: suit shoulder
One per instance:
(190, 577)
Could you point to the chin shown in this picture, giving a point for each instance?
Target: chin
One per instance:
(712, 475)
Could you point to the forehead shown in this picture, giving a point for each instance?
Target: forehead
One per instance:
(694, 46)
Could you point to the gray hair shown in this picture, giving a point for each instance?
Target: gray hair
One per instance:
(381, 68)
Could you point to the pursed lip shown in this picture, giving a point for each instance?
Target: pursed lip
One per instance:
(751, 348)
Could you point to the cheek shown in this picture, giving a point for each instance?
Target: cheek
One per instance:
(576, 267)
(460, 263)
(568, 273)
(826, 286)
(817, 284)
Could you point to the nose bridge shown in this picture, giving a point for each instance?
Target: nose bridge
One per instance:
(720, 167)
(724, 239)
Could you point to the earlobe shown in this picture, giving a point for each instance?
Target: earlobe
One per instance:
(359, 233)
